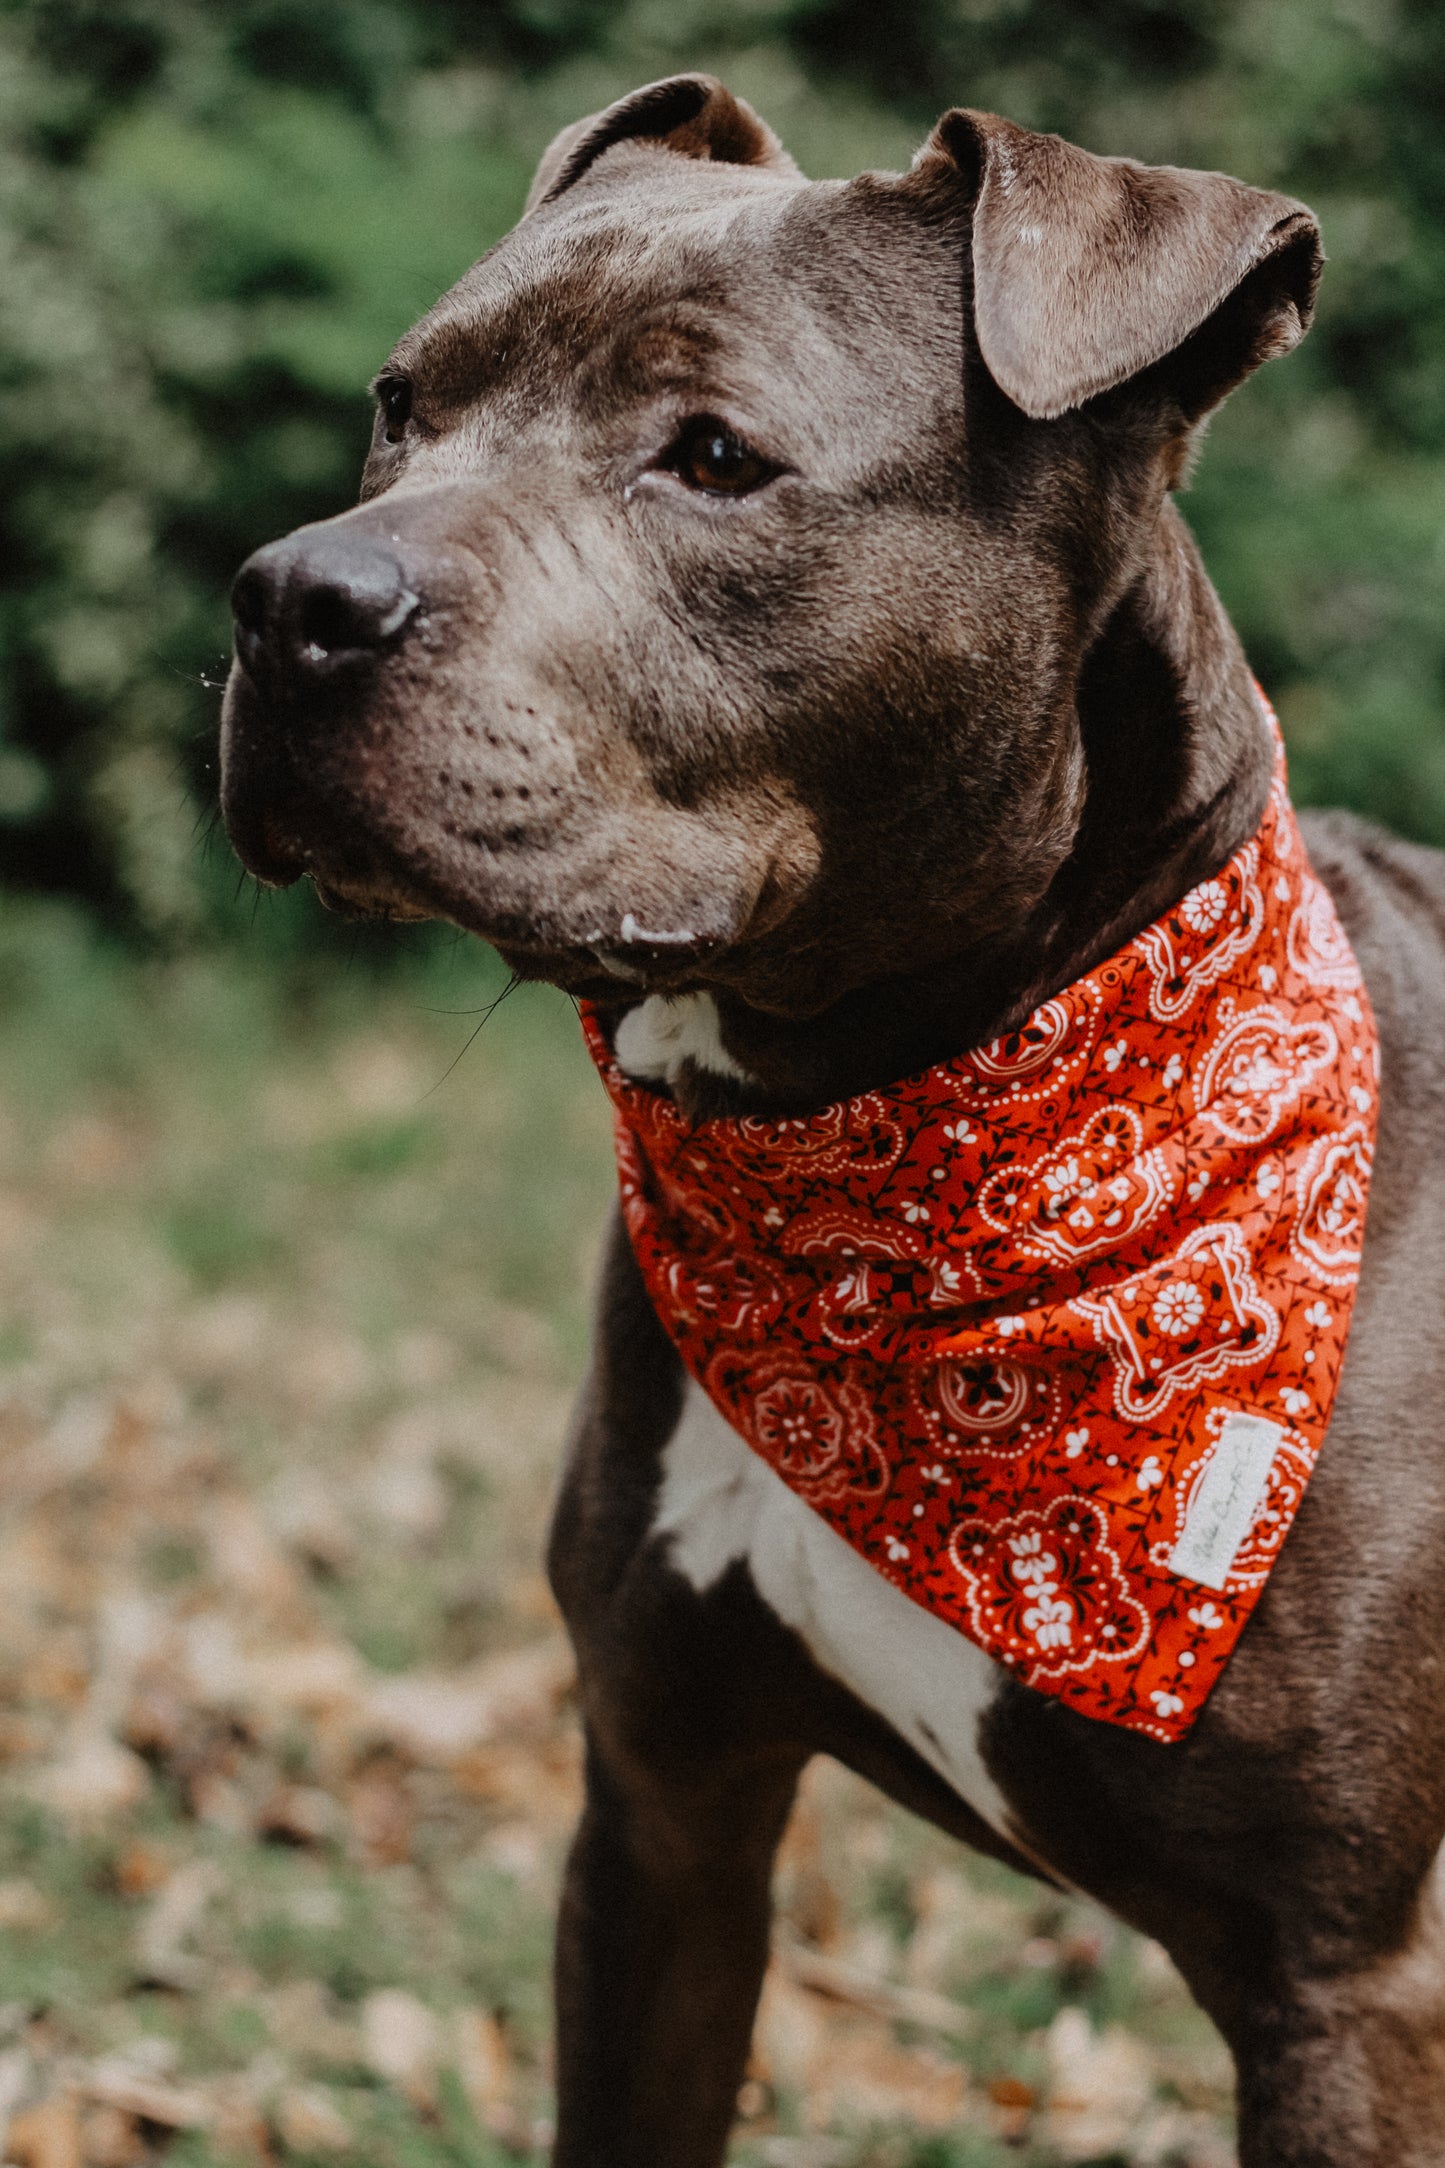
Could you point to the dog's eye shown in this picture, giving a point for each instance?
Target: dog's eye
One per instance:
(393, 395)
(709, 456)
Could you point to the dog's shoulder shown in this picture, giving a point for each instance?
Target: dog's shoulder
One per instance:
(1390, 896)
(1365, 865)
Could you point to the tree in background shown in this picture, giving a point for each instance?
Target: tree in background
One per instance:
(214, 219)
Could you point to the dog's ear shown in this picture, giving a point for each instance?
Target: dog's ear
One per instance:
(691, 114)
(1087, 270)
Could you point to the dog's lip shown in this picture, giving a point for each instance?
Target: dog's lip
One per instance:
(627, 952)
(634, 954)
(277, 857)
(270, 853)
(361, 899)
(596, 947)
(640, 955)
(638, 965)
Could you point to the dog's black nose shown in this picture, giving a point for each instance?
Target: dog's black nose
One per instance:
(318, 603)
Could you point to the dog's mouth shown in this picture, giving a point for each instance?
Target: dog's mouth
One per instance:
(593, 951)
(366, 900)
(278, 855)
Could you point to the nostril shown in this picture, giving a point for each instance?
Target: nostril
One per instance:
(330, 619)
(250, 598)
(350, 605)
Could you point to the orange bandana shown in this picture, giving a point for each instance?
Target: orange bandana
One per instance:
(1051, 1333)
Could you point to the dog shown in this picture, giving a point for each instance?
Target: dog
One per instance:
(767, 617)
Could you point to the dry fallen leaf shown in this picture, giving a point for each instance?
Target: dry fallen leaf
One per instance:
(238, 2129)
(306, 1514)
(16, 2068)
(304, 2017)
(24, 1908)
(45, 2136)
(542, 1779)
(112, 2139)
(843, 1982)
(1099, 2086)
(94, 1777)
(1013, 2108)
(381, 1810)
(787, 2034)
(309, 2120)
(141, 1868)
(404, 1492)
(863, 2075)
(850, 2068)
(401, 2042)
(438, 1717)
(299, 1814)
(487, 2071)
(161, 1958)
(172, 2107)
(1010, 2093)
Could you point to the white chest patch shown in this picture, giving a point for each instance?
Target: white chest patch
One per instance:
(664, 1031)
(720, 1502)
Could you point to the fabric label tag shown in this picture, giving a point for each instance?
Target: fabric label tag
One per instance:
(1223, 1506)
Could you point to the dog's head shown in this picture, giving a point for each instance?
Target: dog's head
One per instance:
(729, 545)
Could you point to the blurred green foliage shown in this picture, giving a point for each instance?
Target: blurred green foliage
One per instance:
(215, 218)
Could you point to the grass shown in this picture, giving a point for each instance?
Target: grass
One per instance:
(292, 1302)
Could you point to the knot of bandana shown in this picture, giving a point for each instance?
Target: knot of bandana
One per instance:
(1051, 1333)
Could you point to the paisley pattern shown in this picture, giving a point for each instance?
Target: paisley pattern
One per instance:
(1035, 1061)
(1089, 1194)
(1184, 1322)
(1257, 1067)
(1316, 945)
(991, 1321)
(819, 1432)
(1333, 1189)
(1192, 947)
(988, 1404)
(1046, 1589)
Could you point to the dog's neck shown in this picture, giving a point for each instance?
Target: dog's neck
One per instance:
(1178, 761)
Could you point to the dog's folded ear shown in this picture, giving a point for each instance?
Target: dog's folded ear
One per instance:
(1088, 271)
(690, 114)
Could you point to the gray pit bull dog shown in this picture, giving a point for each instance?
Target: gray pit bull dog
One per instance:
(767, 616)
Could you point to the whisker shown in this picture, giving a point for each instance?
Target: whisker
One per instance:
(487, 1014)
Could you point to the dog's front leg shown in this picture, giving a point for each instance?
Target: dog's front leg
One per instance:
(698, 1713)
(1347, 2071)
(662, 1943)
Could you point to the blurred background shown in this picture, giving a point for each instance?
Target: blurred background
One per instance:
(294, 1253)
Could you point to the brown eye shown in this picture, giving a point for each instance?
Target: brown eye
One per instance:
(710, 456)
(393, 396)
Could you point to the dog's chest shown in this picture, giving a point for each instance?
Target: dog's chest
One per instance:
(719, 1504)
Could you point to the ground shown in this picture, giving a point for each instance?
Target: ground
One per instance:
(292, 1302)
